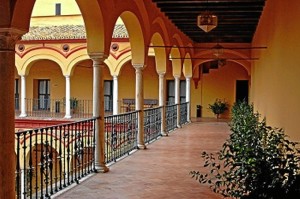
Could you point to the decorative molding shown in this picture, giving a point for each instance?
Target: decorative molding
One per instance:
(9, 38)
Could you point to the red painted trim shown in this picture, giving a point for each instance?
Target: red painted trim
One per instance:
(33, 123)
(65, 55)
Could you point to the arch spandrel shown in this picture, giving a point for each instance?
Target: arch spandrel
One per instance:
(72, 63)
(136, 37)
(94, 23)
(115, 65)
(187, 66)
(176, 61)
(160, 53)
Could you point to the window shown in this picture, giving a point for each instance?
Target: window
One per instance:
(57, 9)
(44, 94)
(108, 95)
(171, 91)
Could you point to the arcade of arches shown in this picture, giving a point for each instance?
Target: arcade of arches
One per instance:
(273, 78)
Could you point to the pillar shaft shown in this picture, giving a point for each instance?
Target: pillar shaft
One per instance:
(139, 104)
(98, 112)
(115, 95)
(8, 38)
(162, 103)
(68, 97)
(177, 98)
(23, 96)
(188, 98)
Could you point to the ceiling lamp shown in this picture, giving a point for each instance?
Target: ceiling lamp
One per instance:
(218, 50)
(207, 21)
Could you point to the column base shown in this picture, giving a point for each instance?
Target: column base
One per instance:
(163, 133)
(141, 146)
(23, 115)
(101, 168)
(68, 116)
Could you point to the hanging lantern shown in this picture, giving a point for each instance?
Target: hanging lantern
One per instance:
(207, 21)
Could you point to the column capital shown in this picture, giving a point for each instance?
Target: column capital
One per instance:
(98, 57)
(176, 76)
(161, 74)
(9, 37)
(138, 66)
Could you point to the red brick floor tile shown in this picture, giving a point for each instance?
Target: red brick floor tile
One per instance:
(161, 171)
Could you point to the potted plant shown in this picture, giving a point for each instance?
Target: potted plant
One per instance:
(218, 107)
(73, 104)
(256, 162)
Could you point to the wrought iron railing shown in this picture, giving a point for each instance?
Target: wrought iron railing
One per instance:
(56, 108)
(52, 158)
(183, 113)
(120, 135)
(152, 124)
(171, 117)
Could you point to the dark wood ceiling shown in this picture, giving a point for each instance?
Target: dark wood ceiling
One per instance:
(237, 19)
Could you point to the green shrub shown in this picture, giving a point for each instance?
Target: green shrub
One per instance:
(218, 107)
(257, 161)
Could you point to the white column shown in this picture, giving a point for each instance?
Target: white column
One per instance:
(23, 96)
(22, 183)
(98, 112)
(177, 99)
(115, 95)
(188, 98)
(162, 103)
(139, 103)
(68, 97)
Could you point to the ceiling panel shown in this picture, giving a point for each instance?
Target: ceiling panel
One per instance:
(237, 19)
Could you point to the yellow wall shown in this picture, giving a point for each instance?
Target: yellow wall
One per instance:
(218, 83)
(275, 76)
(126, 81)
(47, 7)
(45, 69)
(151, 80)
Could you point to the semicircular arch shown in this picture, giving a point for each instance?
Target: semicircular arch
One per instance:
(43, 55)
(160, 53)
(232, 55)
(136, 37)
(187, 66)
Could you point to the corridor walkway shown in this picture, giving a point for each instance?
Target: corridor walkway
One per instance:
(161, 171)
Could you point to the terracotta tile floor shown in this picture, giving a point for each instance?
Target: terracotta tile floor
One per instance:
(161, 171)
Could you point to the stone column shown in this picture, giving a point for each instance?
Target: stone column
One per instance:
(115, 95)
(162, 103)
(8, 39)
(23, 96)
(177, 98)
(188, 98)
(68, 97)
(98, 111)
(139, 103)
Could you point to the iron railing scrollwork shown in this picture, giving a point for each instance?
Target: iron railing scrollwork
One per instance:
(120, 135)
(183, 113)
(152, 124)
(171, 117)
(52, 158)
